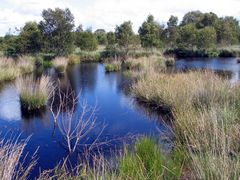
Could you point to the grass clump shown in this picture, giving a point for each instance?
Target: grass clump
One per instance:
(113, 66)
(34, 94)
(60, 63)
(73, 59)
(148, 162)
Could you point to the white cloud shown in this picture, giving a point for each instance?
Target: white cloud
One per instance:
(107, 13)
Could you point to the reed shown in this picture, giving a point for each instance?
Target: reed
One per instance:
(10, 153)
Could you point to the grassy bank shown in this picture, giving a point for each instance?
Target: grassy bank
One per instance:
(205, 112)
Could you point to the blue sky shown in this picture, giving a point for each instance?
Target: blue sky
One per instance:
(108, 13)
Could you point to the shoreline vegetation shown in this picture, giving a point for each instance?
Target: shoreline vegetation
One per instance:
(204, 107)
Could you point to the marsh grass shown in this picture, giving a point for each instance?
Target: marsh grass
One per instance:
(60, 63)
(34, 94)
(11, 151)
(10, 68)
(73, 59)
(113, 66)
(205, 111)
(89, 56)
(146, 161)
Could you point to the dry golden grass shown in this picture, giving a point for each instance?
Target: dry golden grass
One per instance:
(10, 167)
(10, 69)
(60, 63)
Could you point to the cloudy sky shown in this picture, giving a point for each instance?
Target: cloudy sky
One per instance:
(108, 13)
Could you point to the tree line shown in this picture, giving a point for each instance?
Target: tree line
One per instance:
(55, 33)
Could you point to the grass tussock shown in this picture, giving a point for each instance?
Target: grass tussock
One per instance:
(148, 162)
(33, 93)
(60, 63)
(113, 66)
(10, 68)
(205, 110)
(73, 59)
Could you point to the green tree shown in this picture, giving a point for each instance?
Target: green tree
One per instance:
(124, 37)
(57, 26)
(172, 33)
(30, 38)
(188, 36)
(206, 38)
(150, 33)
(11, 45)
(207, 19)
(111, 41)
(86, 41)
(101, 36)
(192, 17)
(227, 31)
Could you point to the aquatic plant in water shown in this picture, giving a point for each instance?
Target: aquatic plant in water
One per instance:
(34, 94)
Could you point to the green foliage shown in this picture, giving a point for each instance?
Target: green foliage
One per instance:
(124, 36)
(206, 38)
(150, 33)
(30, 39)
(148, 162)
(57, 26)
(101, 36)
(192, 17)
(87, 41)
(188, 36)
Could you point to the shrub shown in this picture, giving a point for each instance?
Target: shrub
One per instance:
(34, 94)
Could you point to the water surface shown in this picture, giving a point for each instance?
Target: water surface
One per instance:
(116, 110)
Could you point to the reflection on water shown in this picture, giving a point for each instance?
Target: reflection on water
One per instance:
(225, 66)
(9, 104)
(115, 108)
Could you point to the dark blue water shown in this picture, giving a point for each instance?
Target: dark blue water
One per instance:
(116, 110)
(217, 64)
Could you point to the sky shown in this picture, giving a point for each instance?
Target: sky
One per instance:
(109, 13)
